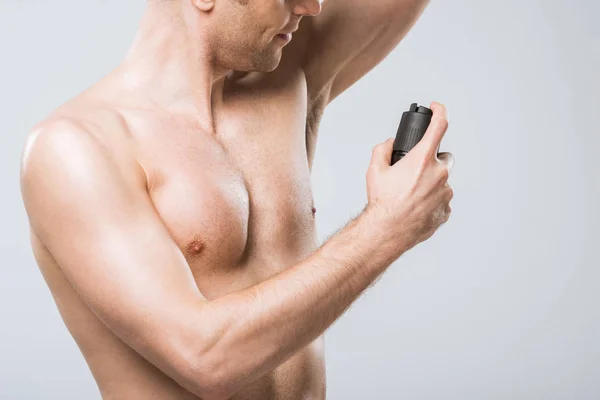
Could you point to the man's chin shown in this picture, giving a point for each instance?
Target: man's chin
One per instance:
(267, 63)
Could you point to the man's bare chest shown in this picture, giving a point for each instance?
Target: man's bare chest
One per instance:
(240, 198)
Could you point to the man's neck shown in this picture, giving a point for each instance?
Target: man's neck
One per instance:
(170, 66)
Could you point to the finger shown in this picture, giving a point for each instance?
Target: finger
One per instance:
(382, 155)
(434, 134)
(447, 159)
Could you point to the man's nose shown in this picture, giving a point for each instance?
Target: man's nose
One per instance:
(307, 7)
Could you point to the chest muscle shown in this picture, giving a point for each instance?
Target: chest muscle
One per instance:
(241, 197)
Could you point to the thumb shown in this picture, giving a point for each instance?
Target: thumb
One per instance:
(382, 155)
(430, 143)
(447, 159)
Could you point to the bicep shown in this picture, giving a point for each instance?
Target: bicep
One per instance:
(349, 38)
(101, 228)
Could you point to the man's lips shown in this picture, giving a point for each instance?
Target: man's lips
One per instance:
(285, 36)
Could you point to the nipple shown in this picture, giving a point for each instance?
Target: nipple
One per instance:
(195, 247)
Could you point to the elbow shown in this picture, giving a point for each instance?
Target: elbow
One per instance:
(206, 372)
(212, 383)
(198, 360)
(412, 8)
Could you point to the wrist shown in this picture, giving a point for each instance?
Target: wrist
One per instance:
(392, 236)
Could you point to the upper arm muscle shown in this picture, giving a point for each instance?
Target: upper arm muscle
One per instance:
(350, 37)
(99, 224)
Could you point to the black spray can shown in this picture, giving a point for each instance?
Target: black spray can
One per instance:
(412, 128)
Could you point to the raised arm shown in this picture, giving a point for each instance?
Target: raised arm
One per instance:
(93, 213)
(350, 37)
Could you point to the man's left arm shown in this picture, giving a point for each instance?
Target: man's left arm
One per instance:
(350, 37)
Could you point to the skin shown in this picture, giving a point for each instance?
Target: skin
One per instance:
(170, 204)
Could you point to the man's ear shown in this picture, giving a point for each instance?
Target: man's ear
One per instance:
(204, 5)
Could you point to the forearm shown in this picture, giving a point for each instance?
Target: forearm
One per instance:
(271, 321)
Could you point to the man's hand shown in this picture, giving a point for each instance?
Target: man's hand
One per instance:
(413, 194)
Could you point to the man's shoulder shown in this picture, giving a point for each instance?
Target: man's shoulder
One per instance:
(100, 119)
(79, 118)
(77, 127)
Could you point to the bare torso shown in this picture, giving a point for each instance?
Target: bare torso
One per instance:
(235, 198)
(238, 204)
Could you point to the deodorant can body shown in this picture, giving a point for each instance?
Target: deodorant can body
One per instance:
(412, 128)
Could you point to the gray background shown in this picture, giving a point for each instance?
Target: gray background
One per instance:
(502, 303)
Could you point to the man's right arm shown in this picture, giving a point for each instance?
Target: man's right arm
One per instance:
(95, 216)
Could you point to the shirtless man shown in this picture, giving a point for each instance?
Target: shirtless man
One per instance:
(170, 204)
